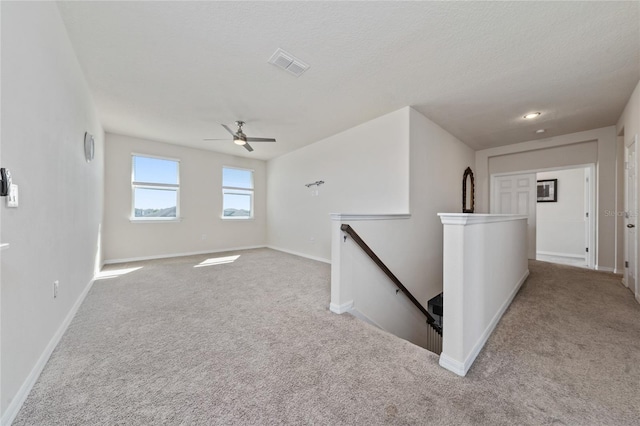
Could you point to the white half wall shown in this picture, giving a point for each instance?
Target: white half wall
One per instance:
(55, 232)
(561, 225)
(558, 152)
(200, 204)
(485, 263)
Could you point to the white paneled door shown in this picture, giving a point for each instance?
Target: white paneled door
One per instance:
(631, 215)
(516, 194)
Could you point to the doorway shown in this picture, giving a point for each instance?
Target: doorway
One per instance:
(564, 217)
(568, 237)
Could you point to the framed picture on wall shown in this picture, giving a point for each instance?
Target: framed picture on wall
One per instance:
(548, 191)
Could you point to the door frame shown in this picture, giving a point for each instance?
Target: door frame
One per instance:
(593, 213)
(627, 209)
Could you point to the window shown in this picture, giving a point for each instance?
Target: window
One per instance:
(155, 187)
(237, 193)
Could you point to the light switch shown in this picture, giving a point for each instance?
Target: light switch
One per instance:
(12, 197)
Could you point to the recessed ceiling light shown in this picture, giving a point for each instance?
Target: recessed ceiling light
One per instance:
(532, 115)
(540, 131)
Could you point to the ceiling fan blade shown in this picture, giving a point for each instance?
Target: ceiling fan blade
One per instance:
(228, 130)
(248, 147)
(260, 139)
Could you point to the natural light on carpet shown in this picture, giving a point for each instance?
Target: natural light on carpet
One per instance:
(217, 261)
(115, 273)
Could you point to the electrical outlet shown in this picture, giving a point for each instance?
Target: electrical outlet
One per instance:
(203, 237)
(312, 240)
(56, 283)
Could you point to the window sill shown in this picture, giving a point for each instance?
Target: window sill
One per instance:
(237, 219)
(155, 220)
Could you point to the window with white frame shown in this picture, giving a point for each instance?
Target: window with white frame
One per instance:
(237, 193)
(155, 185)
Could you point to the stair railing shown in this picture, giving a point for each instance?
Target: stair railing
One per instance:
(354, 235)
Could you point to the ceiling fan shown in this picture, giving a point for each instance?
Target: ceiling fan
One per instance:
(239, 138)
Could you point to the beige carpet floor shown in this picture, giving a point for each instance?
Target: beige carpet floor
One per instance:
(252, 342)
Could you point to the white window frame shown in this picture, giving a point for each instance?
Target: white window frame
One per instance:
(240, 191)
(153, 185)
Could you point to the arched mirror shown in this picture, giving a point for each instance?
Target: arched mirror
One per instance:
(468, 203)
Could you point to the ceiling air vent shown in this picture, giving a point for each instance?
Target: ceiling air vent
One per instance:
(288, 62)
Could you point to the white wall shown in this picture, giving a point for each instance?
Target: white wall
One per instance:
(438, 162)
(627, 128)
(629, 121)
(560, 151)
(381, 166)
(561, 225)
(55, 232)
(412, 246)
(548, 158)
(200, 204)
(365, 169)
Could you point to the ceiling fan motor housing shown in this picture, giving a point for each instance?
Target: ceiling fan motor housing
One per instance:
(240, 138)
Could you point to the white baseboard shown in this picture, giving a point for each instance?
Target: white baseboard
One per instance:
(341, 309)
(604, 268)
(296, 253)
(569, 255)
(22, 394)
(165, 256)
(461, 368)
(452, 365)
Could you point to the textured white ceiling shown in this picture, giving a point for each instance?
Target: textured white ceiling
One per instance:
(173, 71)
